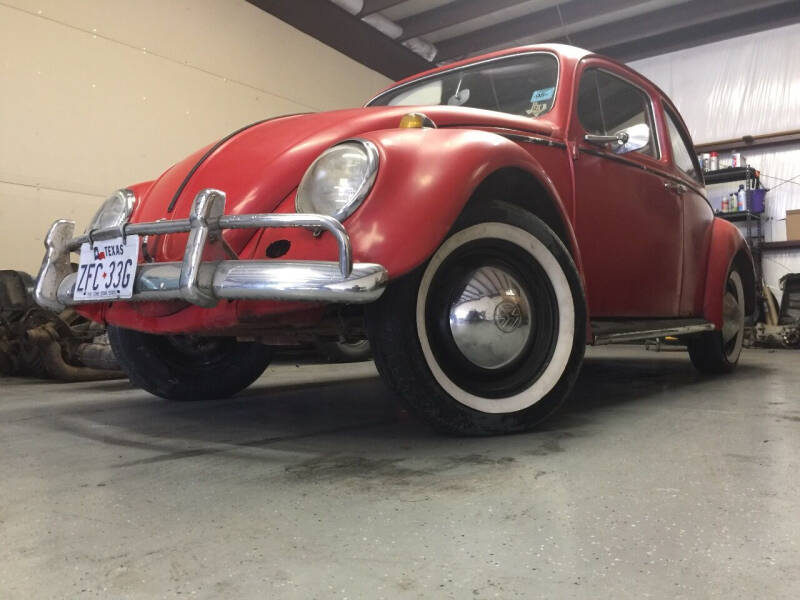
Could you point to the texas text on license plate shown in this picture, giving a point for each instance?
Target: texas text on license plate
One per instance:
(107, 269)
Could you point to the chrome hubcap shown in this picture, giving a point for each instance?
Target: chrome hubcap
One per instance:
(733, 315)
(491, 319)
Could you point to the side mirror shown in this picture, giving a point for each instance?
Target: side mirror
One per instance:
(626, 140)
(636, 138)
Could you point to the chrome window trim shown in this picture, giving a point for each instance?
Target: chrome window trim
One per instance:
(622, 159)
(647, 94)
(669, 116)
(470, 65)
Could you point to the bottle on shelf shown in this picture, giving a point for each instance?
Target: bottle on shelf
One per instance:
(741, 198)
(713, 162)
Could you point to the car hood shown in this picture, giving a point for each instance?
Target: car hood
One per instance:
(259, 165)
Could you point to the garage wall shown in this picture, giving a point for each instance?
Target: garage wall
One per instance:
(96, 95)
(748, 85)
(744, 85)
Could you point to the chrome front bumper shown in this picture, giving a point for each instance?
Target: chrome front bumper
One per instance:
(205, 283)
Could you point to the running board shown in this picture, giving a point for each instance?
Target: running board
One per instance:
(615, 332)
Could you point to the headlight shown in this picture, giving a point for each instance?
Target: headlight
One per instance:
(115, 211)
(339, 180)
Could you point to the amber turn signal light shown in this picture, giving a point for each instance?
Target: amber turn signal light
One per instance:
(416, 121)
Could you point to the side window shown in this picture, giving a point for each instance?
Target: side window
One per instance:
(607, 104)
(681, 155)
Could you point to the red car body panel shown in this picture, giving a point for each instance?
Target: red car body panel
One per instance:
(666, 257)
(726, 243)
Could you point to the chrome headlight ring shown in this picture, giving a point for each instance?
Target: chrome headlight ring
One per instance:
(339, 179)
(114, 212)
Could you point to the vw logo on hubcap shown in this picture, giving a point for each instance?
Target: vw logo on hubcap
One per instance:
(507, 316)
(491, 318)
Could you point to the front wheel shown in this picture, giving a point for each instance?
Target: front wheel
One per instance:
(180, 367)
(719, 351)
(489, 337)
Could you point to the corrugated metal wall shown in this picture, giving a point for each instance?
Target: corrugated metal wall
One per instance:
(744, 86)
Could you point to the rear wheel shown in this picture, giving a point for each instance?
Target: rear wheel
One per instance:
(180, 367)
(488, 337)
(719, 351)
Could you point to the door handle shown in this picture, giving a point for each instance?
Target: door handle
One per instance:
(676, 188)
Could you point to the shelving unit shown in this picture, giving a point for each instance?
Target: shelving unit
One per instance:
(786, 245)
(754, 231)
(747, 174)
(739, 215)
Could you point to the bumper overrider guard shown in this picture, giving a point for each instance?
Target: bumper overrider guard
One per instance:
(205, 283)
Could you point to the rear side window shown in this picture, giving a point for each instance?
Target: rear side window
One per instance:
(681, 155)
(607, 104)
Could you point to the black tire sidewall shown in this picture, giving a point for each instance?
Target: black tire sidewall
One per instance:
(151, 365)
(707, 350)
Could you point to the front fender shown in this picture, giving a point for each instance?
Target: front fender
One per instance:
(425, 178)
(726, 243)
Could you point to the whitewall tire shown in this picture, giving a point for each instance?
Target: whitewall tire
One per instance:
(488, 336)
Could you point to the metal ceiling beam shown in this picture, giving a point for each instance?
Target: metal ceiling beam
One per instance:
(530, 25)
(349, 35)
(688, 24)
(758, 19)
(450, 14)
(373, 6)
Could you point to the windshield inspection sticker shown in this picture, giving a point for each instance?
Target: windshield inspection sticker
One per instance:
(543, 94)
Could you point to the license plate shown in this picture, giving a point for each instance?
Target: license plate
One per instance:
(107, 269)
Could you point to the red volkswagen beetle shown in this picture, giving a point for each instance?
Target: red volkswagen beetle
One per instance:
(480, 223)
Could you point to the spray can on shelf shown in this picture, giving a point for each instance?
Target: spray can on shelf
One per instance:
(724, 205)
(741, 198)
(736, 159)
(713, 162)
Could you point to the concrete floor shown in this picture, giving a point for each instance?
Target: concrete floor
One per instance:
(655, 483)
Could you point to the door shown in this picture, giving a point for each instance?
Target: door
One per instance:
(627, 221)
(698, 217)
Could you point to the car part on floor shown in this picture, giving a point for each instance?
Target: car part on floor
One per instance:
(39, 343)
(790, 303)
(789, 316)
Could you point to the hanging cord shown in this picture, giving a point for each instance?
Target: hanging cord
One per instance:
(563, 25)
(783, 181)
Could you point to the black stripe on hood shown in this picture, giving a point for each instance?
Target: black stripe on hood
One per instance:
(211, 151)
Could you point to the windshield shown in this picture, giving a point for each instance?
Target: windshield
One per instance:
(520, 85)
